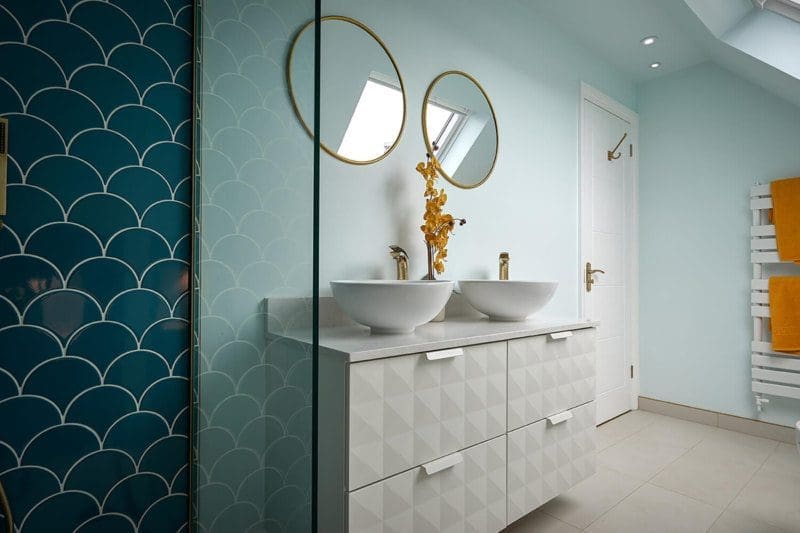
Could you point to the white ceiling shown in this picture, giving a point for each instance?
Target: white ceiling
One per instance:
(690, 32)
(613, 29)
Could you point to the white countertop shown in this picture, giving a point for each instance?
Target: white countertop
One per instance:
(355, 343)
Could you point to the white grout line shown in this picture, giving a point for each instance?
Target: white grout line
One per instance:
(641, 482)
(562, 521)
(634, 489)
(614, 443)
(750, 479)
(647, 481)
(647, 425)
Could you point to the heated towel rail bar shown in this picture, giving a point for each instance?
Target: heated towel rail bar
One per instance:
(773, 373)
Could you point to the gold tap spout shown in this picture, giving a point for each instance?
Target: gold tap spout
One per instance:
(505, 259)
(401, 258)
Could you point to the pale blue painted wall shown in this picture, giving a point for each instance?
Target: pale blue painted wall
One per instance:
(529, 207)
(706, 137)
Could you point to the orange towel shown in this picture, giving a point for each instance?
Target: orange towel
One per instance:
(784, 310)
(786, 217)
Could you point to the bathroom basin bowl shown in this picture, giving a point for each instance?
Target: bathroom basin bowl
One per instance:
(508, 301)
(392, 306)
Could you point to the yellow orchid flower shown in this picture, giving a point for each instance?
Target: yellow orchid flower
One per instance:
(434, 218)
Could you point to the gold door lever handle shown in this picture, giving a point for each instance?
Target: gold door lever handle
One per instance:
(588, 277)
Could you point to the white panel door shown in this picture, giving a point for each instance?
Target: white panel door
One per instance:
(608, 236)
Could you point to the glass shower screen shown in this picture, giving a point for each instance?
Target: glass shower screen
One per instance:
(254, 271)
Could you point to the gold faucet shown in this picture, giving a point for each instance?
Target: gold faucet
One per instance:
(401, 258)
(504, 260)
(431, 255)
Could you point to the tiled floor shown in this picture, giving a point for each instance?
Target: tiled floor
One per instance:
(661, 474)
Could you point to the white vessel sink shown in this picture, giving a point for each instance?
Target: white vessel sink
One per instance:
(509, 301)
(392, 306)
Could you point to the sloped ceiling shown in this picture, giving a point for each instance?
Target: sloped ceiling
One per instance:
(719, 16)
(753, 43)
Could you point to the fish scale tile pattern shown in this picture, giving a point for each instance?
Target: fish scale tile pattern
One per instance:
(94, 264)
(253, 389)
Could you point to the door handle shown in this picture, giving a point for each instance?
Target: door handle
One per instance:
(588, 278)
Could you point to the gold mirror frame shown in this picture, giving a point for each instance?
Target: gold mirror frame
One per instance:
(428, 145)
(296, 106)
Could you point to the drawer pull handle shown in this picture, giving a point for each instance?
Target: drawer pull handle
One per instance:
(560, 417)
(561, 335)
(444, 463)
(444, 354)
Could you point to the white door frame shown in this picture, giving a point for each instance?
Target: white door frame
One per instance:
(631, 220)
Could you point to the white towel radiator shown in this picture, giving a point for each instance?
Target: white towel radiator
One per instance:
(773, 373)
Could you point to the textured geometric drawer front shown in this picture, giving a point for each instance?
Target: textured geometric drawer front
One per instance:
(547, 376)
(467, 497)
(408, 410)
(546, 460)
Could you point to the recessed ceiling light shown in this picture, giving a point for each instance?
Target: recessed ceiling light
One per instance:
(655, 64)
(650, 39)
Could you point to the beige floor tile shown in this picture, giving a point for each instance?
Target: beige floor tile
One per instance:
(738, 446)
(623, 427)
(588, 500)
(772, 497)
(604, 439)
(675, 432)
(713, 478)
(733, 522)
(639, 458)
(537, 522)
(655, 510)
(784, 458)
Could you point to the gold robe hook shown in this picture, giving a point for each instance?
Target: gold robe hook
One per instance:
(613, 154)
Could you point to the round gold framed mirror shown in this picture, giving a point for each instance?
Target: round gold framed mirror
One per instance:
(460, 129)
(362, 96)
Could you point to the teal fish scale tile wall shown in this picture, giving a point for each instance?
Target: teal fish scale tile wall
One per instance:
(255, 195)
(94, 264)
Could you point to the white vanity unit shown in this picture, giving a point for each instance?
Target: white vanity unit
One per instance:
(462, 426)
